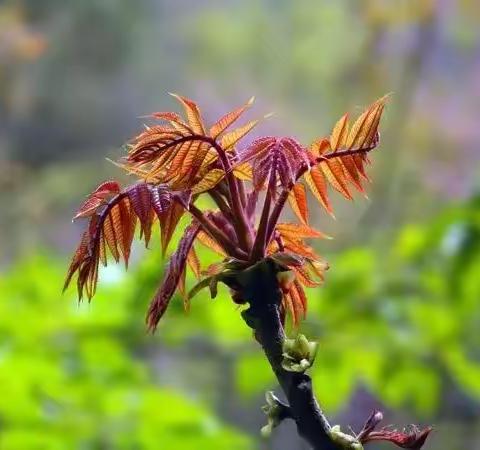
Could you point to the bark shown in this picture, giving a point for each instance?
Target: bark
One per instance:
(259, 287)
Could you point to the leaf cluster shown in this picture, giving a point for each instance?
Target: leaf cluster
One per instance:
(177, 160)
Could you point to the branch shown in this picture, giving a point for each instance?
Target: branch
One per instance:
(259, 286)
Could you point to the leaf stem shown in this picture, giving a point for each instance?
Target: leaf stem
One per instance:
(221, 203)
(260, 243)
(239, 220)
(276, 211)
(217, 234)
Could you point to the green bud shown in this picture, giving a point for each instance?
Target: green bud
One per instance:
(271, 399)
(345, 441)
(303, 344)
(272, 411)
(298, 354)
(266, 431)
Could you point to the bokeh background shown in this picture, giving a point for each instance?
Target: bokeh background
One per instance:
(398, 319)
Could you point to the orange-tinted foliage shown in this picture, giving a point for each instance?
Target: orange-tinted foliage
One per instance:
(177, 160)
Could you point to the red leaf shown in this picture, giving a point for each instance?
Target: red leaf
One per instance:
(413, 439)
(298, 202)
(318, 185)
(230, 139)
(228, 119)
(161, 198)
(98, 197)
(339, 133)
(194, 262)
(112, 225)
(335, 174)
(296, 231)
(141, 199)
(364, 130)
(172, 277)
(192, 112)
(277, 158)
(168, 222)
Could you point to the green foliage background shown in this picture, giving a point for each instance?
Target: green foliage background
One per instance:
(86, 376)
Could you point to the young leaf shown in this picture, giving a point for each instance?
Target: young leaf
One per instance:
(194, 262)
(243, 172)
(230, 139)
(228, 119)
(298, 202)
(299, 247)
(339, 134)
(413, 439)
(168, 222)
(113, 224)
(295, 231)
(277, 158)
(172, 277)
(174, 153)
(193, 114)
(341, 159)
(146, 200)
(98, 197)
(304, 278)
(364, 130)
(318, 185)
(210, 243)
(209, 181)
(335, 174)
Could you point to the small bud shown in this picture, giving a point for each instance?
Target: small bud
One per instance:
(298, 354)
(372, 422)
(271, 399)
(303, 344)
(272, 410)
(266, 431)
(345, 441)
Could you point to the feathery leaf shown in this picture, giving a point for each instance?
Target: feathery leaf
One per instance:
(228, 119)
(172, 277)
(298, 202)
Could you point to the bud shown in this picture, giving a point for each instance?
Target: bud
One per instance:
(272, 410)
(343, 440)
(373, 420)
(298, 354)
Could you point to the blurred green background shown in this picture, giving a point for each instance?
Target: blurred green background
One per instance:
(398, 319)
